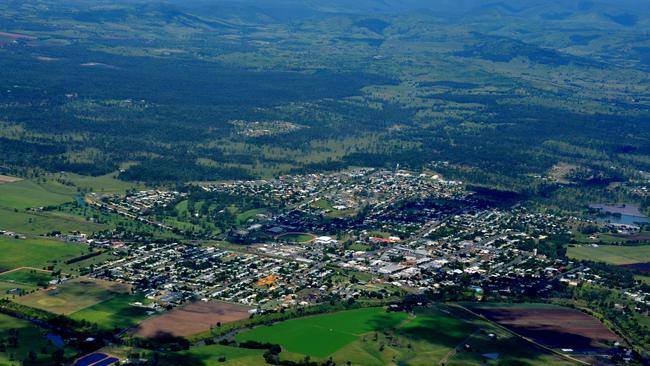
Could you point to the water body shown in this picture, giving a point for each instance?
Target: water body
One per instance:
(56, 340)
(621, 214)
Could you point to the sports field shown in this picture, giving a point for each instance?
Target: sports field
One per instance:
(114, 313)
(36, 253)
(74, 295)
(297, 237)
(612, 254)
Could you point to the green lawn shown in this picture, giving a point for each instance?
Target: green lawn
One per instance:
(617, 255)
(323, 335)
(36, 253)
(26, 276)
(29, 338)
(115, 313)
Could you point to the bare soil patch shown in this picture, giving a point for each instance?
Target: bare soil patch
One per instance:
(555, 327)
(191, 319)
(7, 179)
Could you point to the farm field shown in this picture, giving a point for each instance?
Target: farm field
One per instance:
(191, 319)
(373, 337)
(323, 335)
(553, 326)
(36, 253)
(611, 254)
(29, 337)
(74, 295)
(27, 276)
(115, 313)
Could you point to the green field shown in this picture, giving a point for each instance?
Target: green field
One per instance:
(296, 237)
(372, 337)
(26, 276)
(36, 253)
(617, 255)
(45, 222)
(325, 334)
(105, 184)
(210, 355)
(7, 286)
(115, 313)
(30, 338)
(29, 194)
(74, 295)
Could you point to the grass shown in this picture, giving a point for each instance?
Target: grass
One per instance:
(644, 279)
(106, 184)
(44, 222)
(210, 355)
(617, 255)
(331, 212)
(7, 286)
(27, 276)
(29, 194)
(77, 266)
(73, 296)
(30, 338)
(296, 237)
(323, 335)
(372, 337)
(36, 253)
(115, 313)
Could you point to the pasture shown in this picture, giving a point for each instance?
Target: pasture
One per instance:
(191, 319)
(611, 254)
(44, 222)
(29, 194)
(74, 295)
(37, 253)
(115, 313)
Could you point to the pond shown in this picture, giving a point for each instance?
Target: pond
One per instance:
(620, 214)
